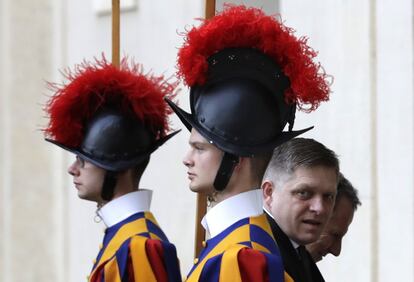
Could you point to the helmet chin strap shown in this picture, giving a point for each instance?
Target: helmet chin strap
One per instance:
(228, 163)
(108, 186)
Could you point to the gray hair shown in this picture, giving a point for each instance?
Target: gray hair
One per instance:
(299, 152)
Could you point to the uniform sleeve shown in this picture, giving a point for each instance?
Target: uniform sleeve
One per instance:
(140, 259)
(253, 266)
(242, 264)
(163, 260)
(259, 266)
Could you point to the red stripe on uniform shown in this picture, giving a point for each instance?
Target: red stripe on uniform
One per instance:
(253, 266)
(155, 255)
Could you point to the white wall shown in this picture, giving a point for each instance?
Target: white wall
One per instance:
(367, 47)
(395, 151)
(30, 209)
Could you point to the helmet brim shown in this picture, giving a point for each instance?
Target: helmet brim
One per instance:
(117, 165)
(240, 150)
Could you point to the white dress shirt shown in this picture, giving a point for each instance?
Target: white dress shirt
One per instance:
(123, 207)
(231, 210)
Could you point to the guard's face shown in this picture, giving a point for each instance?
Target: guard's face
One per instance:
(88, 179)
(331, 238)
(202, 161)
(303, 205)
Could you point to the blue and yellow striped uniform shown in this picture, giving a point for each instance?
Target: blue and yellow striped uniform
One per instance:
(245, 251)
(136, 249)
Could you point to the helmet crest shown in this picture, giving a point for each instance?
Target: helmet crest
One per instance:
(92, 87)
(242, 27)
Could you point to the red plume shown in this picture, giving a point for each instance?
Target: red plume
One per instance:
(239, 26)
(92, 86)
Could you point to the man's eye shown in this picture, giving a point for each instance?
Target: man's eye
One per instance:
(303, 194)
(330, 197)
(81, 161)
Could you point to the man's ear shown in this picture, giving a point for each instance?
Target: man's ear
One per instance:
(267, 191)
(240, 164)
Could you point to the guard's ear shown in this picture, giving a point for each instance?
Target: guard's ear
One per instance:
(240, 164)
(267, 191)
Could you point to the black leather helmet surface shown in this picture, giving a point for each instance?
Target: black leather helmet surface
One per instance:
(241, 108)
(115, 142)
(114, 117)
(247, 73)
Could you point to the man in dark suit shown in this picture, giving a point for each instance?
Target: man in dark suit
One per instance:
(299, 189)
(346, 203)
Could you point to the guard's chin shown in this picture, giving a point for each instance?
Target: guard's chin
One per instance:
(86, 197)
(203, 190)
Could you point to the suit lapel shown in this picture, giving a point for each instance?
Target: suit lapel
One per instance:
(316, 274)
(291, 261)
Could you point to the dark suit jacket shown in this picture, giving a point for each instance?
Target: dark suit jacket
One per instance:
(291, 260)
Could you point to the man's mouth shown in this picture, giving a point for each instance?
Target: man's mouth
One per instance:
(312, 222)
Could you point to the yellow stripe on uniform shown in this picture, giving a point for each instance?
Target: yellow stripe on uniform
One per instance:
(149, 216)
(142, 267)
(288, 278)
(229, 247)
(229, 268)
(240, 234)
(154, 236)
(259, 247)
(111, 271)
(262, 222)
(125, 232)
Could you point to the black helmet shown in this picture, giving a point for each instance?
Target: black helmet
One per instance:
(115, 141)
(114, 118)
(241, 108)
(247, 74)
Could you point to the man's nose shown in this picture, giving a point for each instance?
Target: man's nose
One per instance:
(187, 160)
(321, 205)
(317, 205)
(73, 169)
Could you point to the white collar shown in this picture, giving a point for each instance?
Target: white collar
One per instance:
(231, 210)
(294, 244)
(123, 207)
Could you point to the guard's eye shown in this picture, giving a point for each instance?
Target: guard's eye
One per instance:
(80, 161)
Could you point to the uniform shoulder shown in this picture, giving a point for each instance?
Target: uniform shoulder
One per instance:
(156, 255)
(142, 259)
(241, 263)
